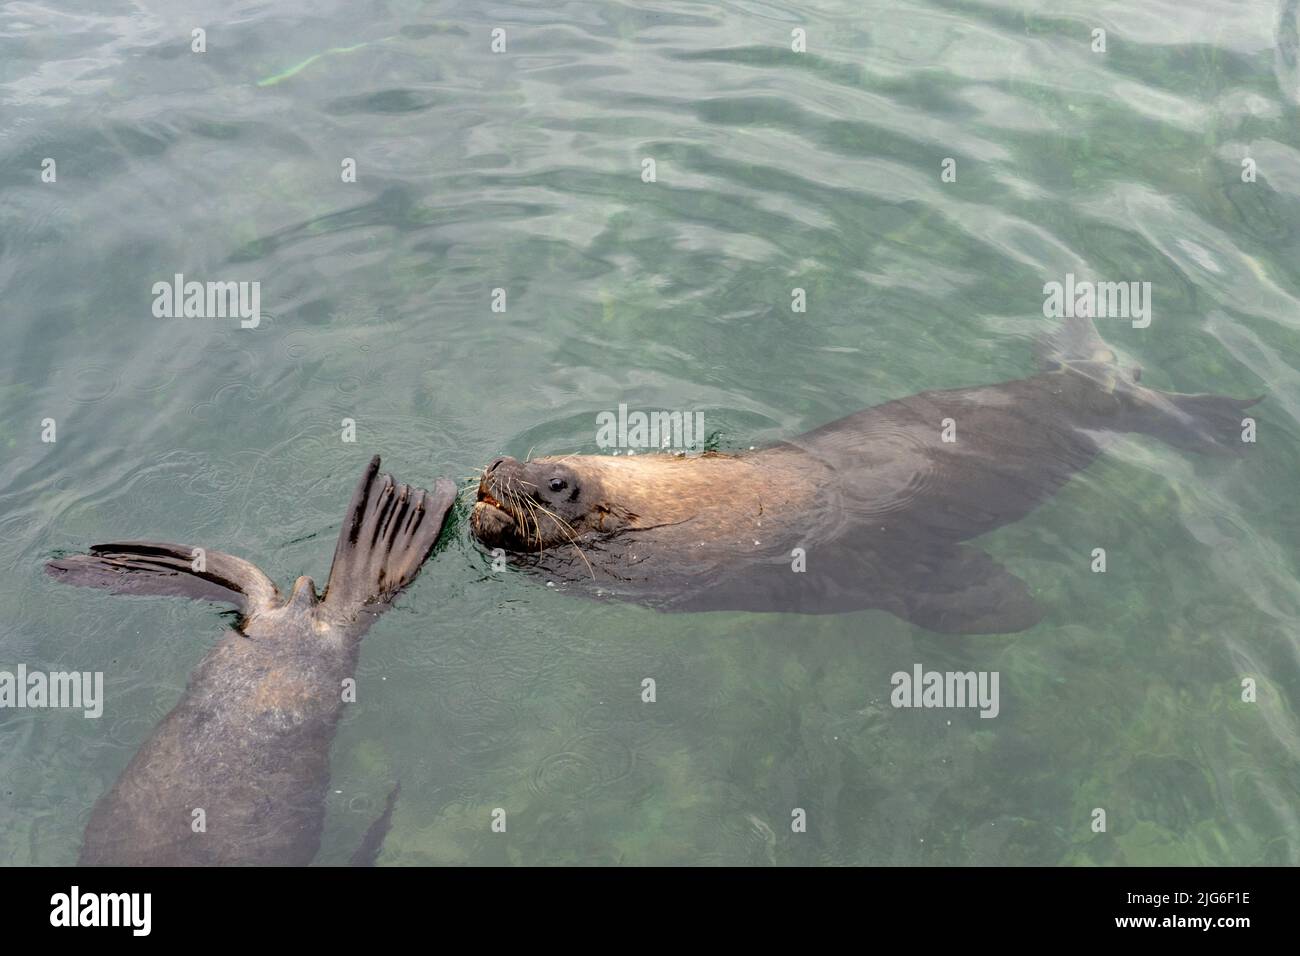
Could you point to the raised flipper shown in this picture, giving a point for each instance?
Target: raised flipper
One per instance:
(154, 568)
(1075, 340)
(962, 591)
(1210, 424)
(388, 532)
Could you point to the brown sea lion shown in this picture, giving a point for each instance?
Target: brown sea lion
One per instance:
(248, 744)
(879, 502)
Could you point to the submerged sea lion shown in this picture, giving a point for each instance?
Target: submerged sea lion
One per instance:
(879, 502)
(248, 744)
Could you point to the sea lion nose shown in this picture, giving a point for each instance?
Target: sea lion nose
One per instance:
(500, 461)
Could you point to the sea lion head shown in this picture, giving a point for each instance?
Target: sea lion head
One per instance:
(543, 503)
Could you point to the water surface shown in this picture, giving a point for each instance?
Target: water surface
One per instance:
(775, 170)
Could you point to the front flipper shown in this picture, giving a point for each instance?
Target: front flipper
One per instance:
(962, 591)
(950, 589)
(177, 570)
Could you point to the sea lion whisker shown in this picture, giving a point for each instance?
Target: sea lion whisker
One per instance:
(564, 525)
(568, 531)
(547, 511)
(510, 504)
(532, 511)
(525, 508)
(578, 550)
(537, 528)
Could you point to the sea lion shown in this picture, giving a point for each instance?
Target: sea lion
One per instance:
(880, 502)
(248, 744)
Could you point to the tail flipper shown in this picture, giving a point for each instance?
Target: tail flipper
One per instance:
(153, 568)
(1200, 423)
(1209, 424)
(373, 841)
(388, 532)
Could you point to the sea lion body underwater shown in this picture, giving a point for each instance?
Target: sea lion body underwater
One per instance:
(879, 501)
(248, 744)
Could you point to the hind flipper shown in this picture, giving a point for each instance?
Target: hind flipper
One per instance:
(154, 568)
(1075, 340)
(1210, 424)
(963, 591)
(388, 532)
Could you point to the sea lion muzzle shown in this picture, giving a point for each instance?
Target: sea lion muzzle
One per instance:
(498, 511)
(531, 505)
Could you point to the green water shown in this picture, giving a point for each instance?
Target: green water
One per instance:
(522, 170)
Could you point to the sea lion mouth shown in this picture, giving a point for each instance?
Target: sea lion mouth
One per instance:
(492, 520)
(488, 509)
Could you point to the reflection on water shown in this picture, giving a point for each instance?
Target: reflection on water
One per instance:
(522, 171)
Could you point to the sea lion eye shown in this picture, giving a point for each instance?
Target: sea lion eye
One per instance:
(558, 484)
